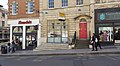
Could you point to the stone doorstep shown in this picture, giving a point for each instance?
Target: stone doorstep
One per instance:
(51, 46)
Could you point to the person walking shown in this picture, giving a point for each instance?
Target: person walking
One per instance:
(13, 47)
(98, 42)
(8, 47)
(93, 42)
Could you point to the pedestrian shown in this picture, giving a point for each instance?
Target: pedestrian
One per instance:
(93, 42)
(13, 47)
(8, 45)
(98, 42)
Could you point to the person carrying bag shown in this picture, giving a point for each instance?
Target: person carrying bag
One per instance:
(94, 42)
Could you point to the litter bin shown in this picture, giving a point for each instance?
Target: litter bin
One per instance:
(3, 49)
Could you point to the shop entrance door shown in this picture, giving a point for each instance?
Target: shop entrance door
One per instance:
(83, 30)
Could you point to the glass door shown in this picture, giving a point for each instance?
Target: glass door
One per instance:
(17, 35)
(31, 37)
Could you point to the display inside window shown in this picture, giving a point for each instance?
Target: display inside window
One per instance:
(117, 33)
(17, 35)
(106, 34)
(57, 32)
(17, 29)
(18, 39)
(31, 35)
(31, 29)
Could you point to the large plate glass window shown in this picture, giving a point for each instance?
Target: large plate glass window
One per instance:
(31, 36)
(17, 35)
(106, 34)
(57, 32)
(117, 34)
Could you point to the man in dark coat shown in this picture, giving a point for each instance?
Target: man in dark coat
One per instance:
(94, 44)
(98, 43)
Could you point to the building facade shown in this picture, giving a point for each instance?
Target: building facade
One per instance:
(4, 30)
(62, 19)
(107, 21)
(23, 18)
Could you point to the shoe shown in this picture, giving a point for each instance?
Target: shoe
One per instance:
(92, 50)
(96, 50)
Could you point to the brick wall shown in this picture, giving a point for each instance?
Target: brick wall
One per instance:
(22, 9)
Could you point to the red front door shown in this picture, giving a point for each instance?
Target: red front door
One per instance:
(83, 30)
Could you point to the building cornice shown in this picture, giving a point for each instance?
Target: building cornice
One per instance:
(111, 3)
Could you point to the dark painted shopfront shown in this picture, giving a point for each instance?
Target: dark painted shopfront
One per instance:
(107, 25)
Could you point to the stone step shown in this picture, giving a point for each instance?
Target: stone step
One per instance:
(51, 46)
(82, 44)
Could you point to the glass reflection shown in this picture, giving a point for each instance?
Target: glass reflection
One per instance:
(106, 33)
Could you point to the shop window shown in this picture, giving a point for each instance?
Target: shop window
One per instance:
(117, 33)
(17, 29)
(31, 29)
(17, 35)
(57, 32)
(31, 35)
(106, 34)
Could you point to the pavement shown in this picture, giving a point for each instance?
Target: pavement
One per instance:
(105, 50)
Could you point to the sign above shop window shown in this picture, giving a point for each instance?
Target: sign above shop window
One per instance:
(61, 16)
(25, 22)
(109, 16)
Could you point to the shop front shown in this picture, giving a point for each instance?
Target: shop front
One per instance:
(25, 33)
(107, 25)
(57, 31)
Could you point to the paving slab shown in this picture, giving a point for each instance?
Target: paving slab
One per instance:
(105, 50)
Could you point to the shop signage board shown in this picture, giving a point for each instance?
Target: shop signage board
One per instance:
(61, 16)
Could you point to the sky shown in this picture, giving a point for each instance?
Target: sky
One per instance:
(4, 3)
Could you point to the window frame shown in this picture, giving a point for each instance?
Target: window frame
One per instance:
(14, 9)
(79, 2)
(30, 6)
(57, 31)
(51, 4)
(64, 3)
